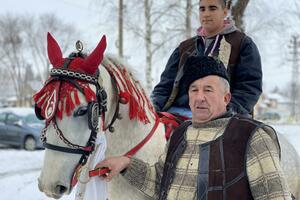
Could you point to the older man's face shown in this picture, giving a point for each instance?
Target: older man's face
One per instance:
(207, 98)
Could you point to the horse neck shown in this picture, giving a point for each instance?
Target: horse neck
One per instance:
(138, 117)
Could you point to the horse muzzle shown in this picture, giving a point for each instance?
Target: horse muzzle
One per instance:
(55, 190)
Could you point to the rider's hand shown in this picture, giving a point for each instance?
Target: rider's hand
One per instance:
(114, 164)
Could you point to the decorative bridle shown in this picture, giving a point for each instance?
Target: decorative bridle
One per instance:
(94, 109)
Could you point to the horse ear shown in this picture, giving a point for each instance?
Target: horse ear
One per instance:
(54, 51)
(92, 62)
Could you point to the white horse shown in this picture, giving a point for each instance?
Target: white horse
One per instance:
(128, 120)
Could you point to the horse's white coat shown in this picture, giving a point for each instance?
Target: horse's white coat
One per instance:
(290, 162)
(58, 167)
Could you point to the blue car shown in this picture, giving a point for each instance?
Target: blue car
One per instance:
(20, 127)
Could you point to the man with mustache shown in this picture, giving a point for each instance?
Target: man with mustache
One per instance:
(216, 155)
(219, 38)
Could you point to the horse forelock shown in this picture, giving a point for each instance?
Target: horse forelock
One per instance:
(67, 99)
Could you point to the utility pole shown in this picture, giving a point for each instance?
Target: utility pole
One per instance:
(188, 15)
(120, 41)
(294, 46)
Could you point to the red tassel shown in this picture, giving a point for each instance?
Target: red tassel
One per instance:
(77, 101)
(69, 105)
(37, 96)
(133, 108)
(124, 97)
(89, 94)
(60, 110)
(41, 101)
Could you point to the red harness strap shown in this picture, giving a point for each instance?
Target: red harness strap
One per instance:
(98, 172)
(171, 122)
(95, 172)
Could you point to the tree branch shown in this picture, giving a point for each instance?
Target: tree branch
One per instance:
(238, 11)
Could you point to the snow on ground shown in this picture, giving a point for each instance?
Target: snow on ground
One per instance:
(20, 169)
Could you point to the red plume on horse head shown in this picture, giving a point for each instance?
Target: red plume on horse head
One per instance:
(87, 65)
(56, 90)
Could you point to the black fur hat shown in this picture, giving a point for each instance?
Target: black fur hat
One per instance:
(197, 67)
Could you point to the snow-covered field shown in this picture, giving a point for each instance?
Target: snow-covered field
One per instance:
(19, 169)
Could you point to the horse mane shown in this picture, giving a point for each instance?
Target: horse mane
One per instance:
(116, 60)
(130, 88)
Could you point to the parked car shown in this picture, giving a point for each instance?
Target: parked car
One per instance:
(20, 127)
(268, 116)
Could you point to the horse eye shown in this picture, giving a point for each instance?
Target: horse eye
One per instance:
(80, 111)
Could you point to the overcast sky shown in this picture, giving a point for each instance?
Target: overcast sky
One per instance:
(85, 18)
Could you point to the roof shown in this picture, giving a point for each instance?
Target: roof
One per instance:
(278, 97)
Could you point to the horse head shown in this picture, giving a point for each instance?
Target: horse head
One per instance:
(71, 102)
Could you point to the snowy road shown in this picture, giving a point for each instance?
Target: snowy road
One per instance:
(19, 169)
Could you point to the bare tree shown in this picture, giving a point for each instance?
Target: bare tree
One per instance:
(185, 14)
(116, 19)
(154, 32)
(22, 45)
(295, 53)
(11, 47)
(121, 15)
(36, 30)
(238, 11)
(191, 17)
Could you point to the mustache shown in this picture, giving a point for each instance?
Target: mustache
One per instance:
(201, 104)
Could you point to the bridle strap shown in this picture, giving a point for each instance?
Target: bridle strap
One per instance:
(59, 78)
(116, 113)
(68, 150)
(85, 151)
(62, 137)
(114, 118)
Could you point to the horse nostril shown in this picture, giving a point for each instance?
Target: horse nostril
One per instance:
(60, 189)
